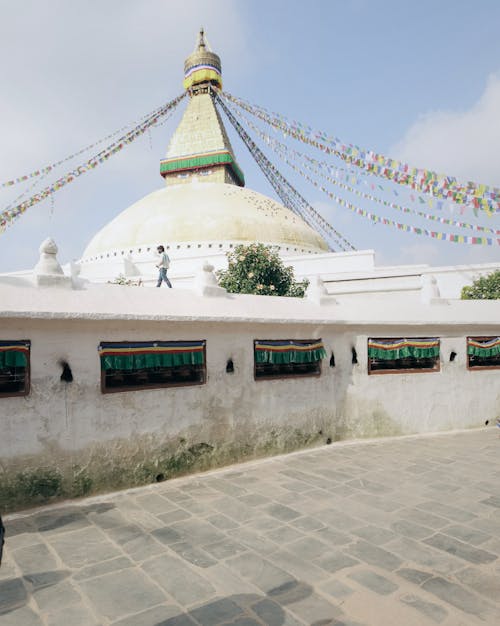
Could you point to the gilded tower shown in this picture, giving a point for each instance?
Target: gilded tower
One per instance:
(200, 147)
(204, 208)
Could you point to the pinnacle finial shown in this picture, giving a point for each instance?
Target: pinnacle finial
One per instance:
(202, 66)
(201, 38)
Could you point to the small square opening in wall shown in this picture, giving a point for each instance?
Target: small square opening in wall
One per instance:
(132, 366)
(14, 368)
(483, 353)
(287, 358)
(391, 355)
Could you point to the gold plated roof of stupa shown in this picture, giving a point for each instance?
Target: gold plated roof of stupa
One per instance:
(202, 65)
(200, 144)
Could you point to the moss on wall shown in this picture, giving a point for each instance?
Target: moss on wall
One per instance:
(364, 418)
(123, 464)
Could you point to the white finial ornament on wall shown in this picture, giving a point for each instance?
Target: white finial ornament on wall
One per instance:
(48, 272)
(317, 293)
(206, 282)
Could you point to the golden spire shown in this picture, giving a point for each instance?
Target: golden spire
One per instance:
(200, 147)
(202, 67)
(201, 39)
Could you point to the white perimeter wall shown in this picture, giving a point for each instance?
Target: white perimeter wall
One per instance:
(344, 402)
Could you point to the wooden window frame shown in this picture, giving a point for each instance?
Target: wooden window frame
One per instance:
(478, 368)
(203, 370)
(27, 376)
(315, 374)
(409, 370)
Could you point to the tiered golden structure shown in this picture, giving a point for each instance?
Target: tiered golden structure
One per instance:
(204, 209)
(200, 146)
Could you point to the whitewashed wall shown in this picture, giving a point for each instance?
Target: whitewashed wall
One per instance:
(343, 402)
(126, 438)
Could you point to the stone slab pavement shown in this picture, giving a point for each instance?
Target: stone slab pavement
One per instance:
(401, 531)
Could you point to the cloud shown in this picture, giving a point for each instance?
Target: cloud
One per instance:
(73, 73)
(463, 144)
(76, 72)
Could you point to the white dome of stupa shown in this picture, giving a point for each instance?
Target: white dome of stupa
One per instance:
(198, 213)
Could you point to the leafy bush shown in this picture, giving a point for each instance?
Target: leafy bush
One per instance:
(483, 288)
(258, 269)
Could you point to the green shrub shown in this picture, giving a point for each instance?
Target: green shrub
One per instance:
(39, 485)
(258, 269)
(483, 288)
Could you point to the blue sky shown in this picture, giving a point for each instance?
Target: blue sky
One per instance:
(417, 81)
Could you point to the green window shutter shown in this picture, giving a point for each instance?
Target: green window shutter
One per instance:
(487, 347)
(288, 351)
(14, 353)
(391, 349)
(150, 355)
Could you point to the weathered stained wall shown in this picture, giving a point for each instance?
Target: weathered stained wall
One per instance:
(69, 439)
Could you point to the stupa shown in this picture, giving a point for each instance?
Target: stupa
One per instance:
(204, 209)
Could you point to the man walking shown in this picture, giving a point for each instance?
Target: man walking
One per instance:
(163, 265)
(2, 533)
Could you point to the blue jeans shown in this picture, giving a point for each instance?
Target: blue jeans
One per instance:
(163, 277)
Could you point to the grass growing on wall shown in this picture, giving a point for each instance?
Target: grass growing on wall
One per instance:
(105, 470)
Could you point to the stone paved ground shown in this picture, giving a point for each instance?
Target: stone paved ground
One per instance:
(395, 532)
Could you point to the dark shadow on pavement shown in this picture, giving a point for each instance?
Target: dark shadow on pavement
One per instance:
(52, 520)
(253, 609)
(16, 592)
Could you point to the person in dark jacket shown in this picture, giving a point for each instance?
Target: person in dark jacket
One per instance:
(2, 534)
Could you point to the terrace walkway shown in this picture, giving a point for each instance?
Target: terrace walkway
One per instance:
(396, 532)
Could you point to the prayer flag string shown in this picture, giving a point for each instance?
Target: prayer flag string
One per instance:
(48, 168)
(475, 195)
(376, 219)
(9, 215)
(285, 190)
(319, 167)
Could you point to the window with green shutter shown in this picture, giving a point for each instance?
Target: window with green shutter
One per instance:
(129, 366)
(483, 353)
(403, 355)
(14, 367)
(286, 358)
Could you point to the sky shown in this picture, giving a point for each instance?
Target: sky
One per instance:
(418, 82)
